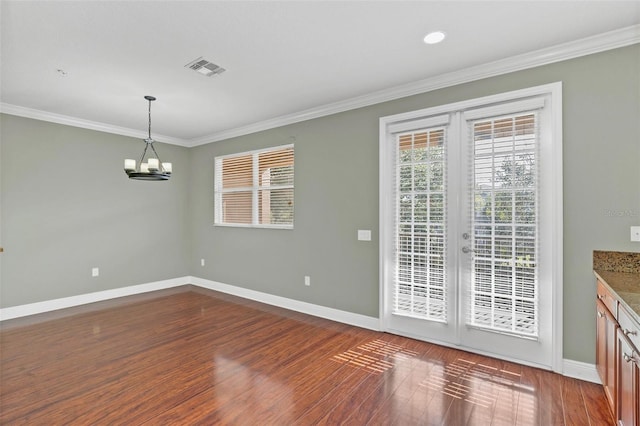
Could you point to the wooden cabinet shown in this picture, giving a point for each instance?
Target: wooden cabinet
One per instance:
(606, 351)
(628, 393)
(628, 364)
(618, 357)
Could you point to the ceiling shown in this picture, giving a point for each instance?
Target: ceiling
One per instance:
(94, 61)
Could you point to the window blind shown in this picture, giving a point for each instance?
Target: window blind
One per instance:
(420, 222)
(255, 188)
(504, 218)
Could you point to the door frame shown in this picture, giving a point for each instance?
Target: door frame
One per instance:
(386, 179)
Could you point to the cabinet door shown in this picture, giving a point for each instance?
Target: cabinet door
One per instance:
(627, 382)
(607, 352)
(601, 341)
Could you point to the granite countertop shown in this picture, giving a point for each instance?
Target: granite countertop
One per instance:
(625, 285)
(620, 271)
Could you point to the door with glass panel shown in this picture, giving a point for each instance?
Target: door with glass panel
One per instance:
(468, 246)
(419, 296)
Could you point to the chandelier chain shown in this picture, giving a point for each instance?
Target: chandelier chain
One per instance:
(150, 119)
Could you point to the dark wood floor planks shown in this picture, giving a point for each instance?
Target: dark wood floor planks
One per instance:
(198, 357)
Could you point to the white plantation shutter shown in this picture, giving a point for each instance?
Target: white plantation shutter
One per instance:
(255, 188)
(420, 222)
(234, 189)
(505, 220)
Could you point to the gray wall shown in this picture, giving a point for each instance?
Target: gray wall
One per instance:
(56, 225)
(67, 206)
(336, 190)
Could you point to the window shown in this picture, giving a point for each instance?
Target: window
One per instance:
(421, 224)
(255, 189)
(505, 226)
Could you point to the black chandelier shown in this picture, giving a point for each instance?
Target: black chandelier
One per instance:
(153, 168)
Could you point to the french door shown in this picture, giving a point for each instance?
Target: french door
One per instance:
(470, 220)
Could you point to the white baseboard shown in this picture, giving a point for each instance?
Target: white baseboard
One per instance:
(83, 299)
(344, 317)
(580, 370)
(283, 302)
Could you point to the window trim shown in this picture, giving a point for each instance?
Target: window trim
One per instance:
(254, 188)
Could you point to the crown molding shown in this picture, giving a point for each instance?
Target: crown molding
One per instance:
(561, 52)
(84, 124)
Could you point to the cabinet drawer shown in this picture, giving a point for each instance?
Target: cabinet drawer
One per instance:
(629, 327)
(605, 296)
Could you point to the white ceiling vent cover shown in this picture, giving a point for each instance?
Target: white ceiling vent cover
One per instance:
(205, 67)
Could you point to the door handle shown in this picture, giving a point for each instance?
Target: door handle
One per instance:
(467, 250)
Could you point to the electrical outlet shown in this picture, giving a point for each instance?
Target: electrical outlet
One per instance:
(201, 262)
(364, 235)
(635, 233)
(307, 280)
(95, 272)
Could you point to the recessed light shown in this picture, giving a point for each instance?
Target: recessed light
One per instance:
(434, 37)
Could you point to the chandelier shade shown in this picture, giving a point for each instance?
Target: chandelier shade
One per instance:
(153, 168)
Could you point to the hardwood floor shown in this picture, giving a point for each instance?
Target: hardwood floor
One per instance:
(192, 356)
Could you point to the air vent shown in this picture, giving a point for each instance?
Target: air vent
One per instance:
(204, 67)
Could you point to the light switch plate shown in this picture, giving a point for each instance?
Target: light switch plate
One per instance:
(635, 233)
(364, 235)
